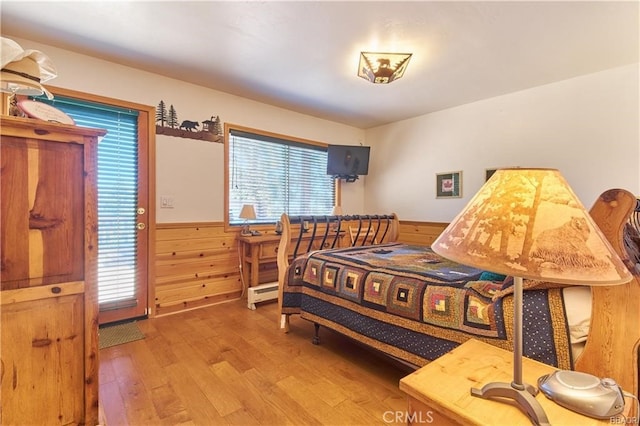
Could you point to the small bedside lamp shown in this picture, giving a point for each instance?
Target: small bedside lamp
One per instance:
(528, 223)
(247, 213)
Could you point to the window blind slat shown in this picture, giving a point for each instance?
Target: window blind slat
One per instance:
(277, 176)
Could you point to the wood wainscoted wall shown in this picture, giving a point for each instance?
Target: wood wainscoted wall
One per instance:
(197, 264)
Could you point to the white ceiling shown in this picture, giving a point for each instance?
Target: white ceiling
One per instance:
(303, 55)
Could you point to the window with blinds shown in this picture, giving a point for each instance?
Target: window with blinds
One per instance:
(117, 196)
(277, 176)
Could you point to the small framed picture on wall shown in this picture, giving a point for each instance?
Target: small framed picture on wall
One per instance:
(449, 185)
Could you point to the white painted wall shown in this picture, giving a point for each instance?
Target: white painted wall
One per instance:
(189, 171)
(587, 127)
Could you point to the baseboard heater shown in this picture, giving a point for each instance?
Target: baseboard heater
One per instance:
(261, 293)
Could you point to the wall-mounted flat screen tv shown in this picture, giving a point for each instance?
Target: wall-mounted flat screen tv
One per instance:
(347, 161)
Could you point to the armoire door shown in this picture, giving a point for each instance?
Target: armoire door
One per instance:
(48, 293)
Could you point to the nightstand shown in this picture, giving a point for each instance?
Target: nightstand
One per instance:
(261, 250)
(440, 391)
(256, 250)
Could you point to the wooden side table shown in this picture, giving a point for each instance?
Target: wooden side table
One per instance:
(256, 250)
(439, 393)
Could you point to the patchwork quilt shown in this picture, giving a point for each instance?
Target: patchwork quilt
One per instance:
(415, 305)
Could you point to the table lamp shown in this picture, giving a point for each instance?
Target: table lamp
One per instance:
(528, 223)
(247, 213)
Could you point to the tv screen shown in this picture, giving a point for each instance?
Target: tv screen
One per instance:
(347, 160)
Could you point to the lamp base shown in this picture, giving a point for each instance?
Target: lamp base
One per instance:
(524, 398)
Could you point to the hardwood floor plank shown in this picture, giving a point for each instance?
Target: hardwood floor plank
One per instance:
(200, 409)
(241, 417)
(137, 400)
(146, 364)
(112, 403)
(167, 404)
(299, 392)
(179, 419)
(328, 392)
(250, 397)
(282, 407)
(226, 364)
(213, 388)
(157, 343)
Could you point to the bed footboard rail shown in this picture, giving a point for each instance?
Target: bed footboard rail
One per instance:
(303, 234)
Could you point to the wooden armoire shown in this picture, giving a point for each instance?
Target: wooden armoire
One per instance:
(48, 292)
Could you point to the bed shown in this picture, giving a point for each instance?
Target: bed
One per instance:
(413, 305)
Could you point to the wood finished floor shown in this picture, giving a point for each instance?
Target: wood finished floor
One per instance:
(226, 364)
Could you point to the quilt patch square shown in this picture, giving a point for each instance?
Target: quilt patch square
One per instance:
(403, 297)
(295, 273)
(485, 288)
(479, 316)
(330, 276)
(313, 272)
(351, 283)
(376, 287)
(477, 311)
(442, 306)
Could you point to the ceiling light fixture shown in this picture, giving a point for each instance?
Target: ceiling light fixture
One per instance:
(382, 68)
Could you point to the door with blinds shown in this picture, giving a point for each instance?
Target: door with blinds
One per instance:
(122, 204)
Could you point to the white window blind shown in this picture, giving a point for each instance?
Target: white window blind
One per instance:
(117, 196)
(277, 176)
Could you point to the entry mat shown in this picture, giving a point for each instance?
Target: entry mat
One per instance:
(117, 334)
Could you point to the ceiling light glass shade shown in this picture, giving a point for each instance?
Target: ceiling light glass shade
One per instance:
(382, 68)
(529, 223)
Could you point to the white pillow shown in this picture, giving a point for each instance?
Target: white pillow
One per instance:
(577, 302)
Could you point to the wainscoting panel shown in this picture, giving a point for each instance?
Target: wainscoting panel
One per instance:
(197, 264)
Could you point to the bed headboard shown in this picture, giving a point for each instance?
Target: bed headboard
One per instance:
(325, 232)
(614, 337)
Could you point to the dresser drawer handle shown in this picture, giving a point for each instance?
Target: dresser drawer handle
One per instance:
(56, 290)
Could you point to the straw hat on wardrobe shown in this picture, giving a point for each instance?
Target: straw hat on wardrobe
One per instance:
(24, 71)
